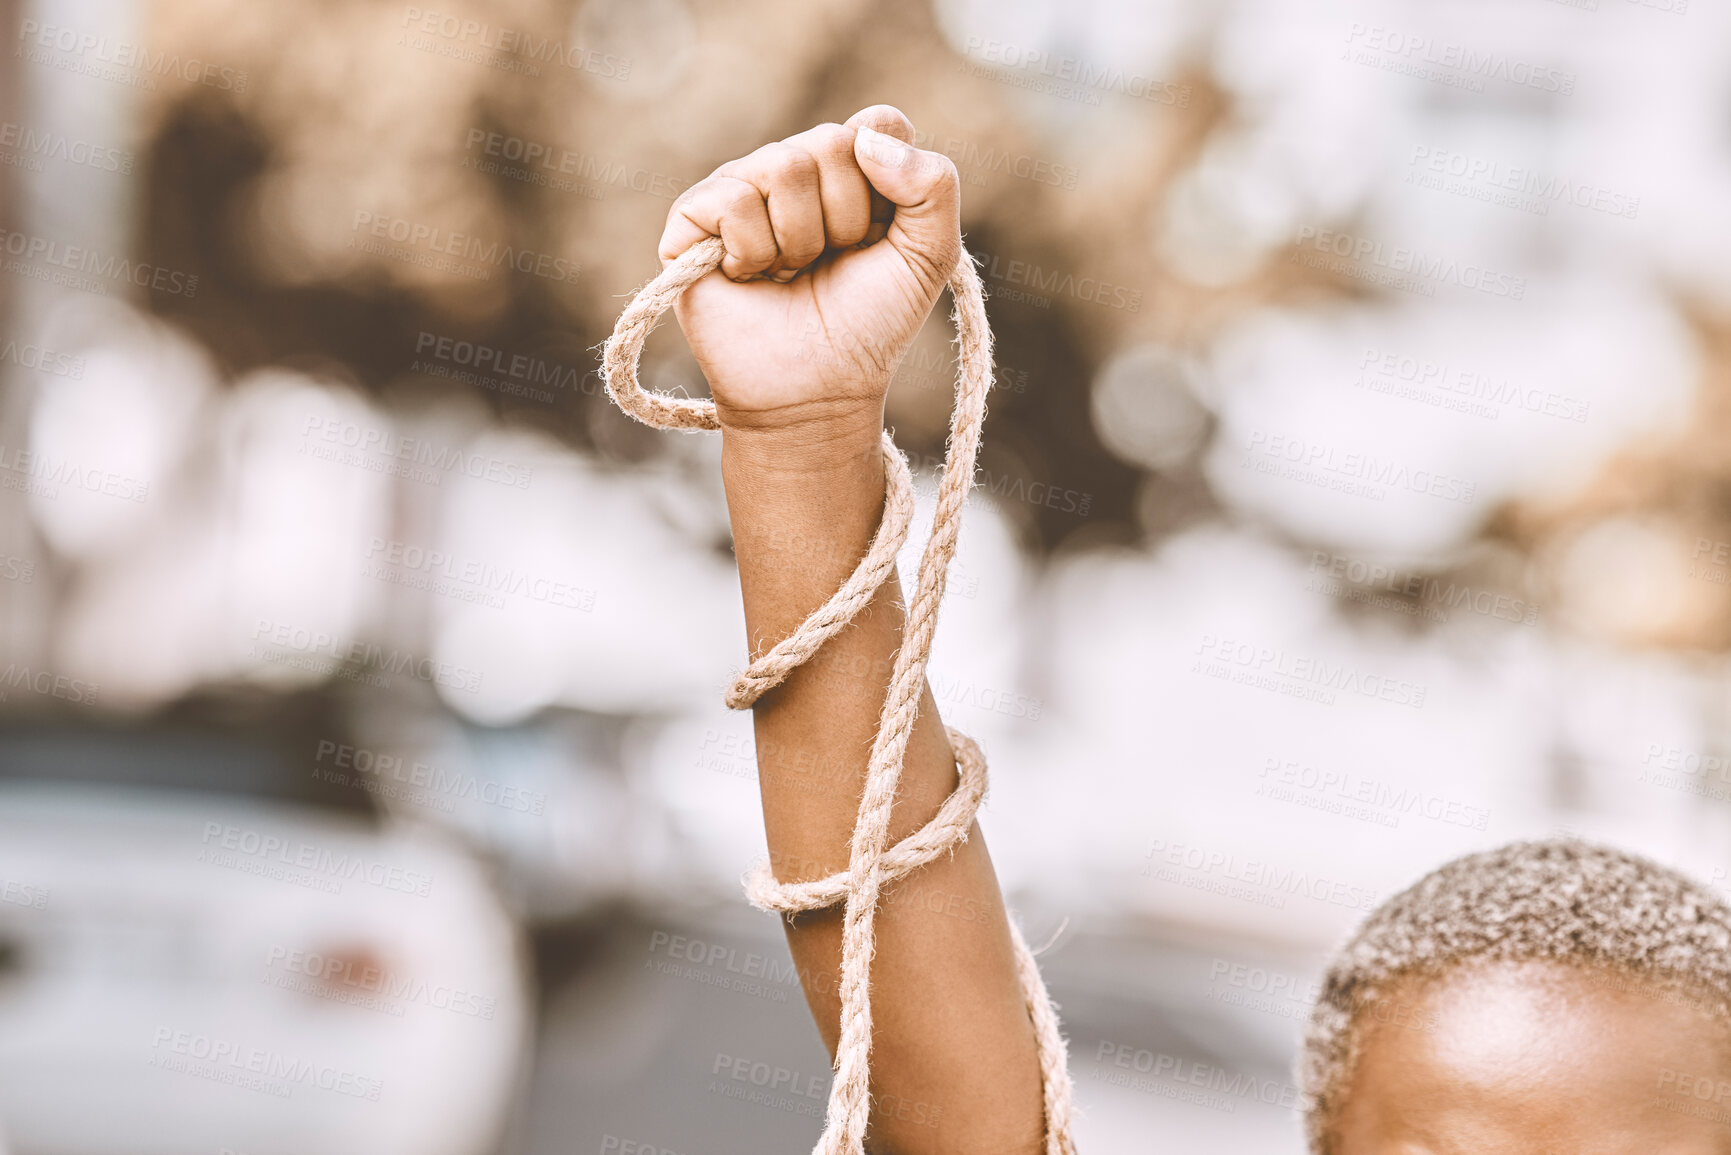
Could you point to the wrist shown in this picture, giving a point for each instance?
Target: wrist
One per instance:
(808, 496)
(807, 442)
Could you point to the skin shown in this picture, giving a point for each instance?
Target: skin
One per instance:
(798, 333)
(1537, 1059)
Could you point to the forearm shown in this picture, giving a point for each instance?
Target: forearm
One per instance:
(954, 1066)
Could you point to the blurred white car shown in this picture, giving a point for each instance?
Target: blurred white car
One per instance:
(195, 970)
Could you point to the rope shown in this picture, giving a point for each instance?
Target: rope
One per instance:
(871, 864)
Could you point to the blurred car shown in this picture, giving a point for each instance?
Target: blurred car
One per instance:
(199, 953)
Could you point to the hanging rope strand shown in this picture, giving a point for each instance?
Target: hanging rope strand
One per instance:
(872, 864)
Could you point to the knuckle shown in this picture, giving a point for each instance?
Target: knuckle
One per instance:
(882, 114)
(831, 138)
(792, 165)
(726, 172)
(741, 199)
(702, 188)
(942, 170)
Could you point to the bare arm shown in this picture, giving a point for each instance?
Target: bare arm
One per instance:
(799, 371)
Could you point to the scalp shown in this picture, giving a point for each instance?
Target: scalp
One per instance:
(1559, 900)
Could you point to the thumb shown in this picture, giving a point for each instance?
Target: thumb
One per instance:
(923, 186)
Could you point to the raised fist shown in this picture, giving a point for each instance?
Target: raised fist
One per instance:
(839, 240)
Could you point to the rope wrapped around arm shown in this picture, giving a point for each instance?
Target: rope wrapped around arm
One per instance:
(872, 864)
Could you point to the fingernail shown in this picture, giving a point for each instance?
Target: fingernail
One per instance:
(884, 149)
(786, 275)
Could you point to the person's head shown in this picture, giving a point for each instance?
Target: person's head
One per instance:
(1541, 997)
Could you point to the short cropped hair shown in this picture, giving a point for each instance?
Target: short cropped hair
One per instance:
(1558, 900)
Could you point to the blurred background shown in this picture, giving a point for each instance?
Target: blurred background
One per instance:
(1354, 496)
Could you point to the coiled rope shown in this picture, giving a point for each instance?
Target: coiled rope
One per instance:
(871, 864)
